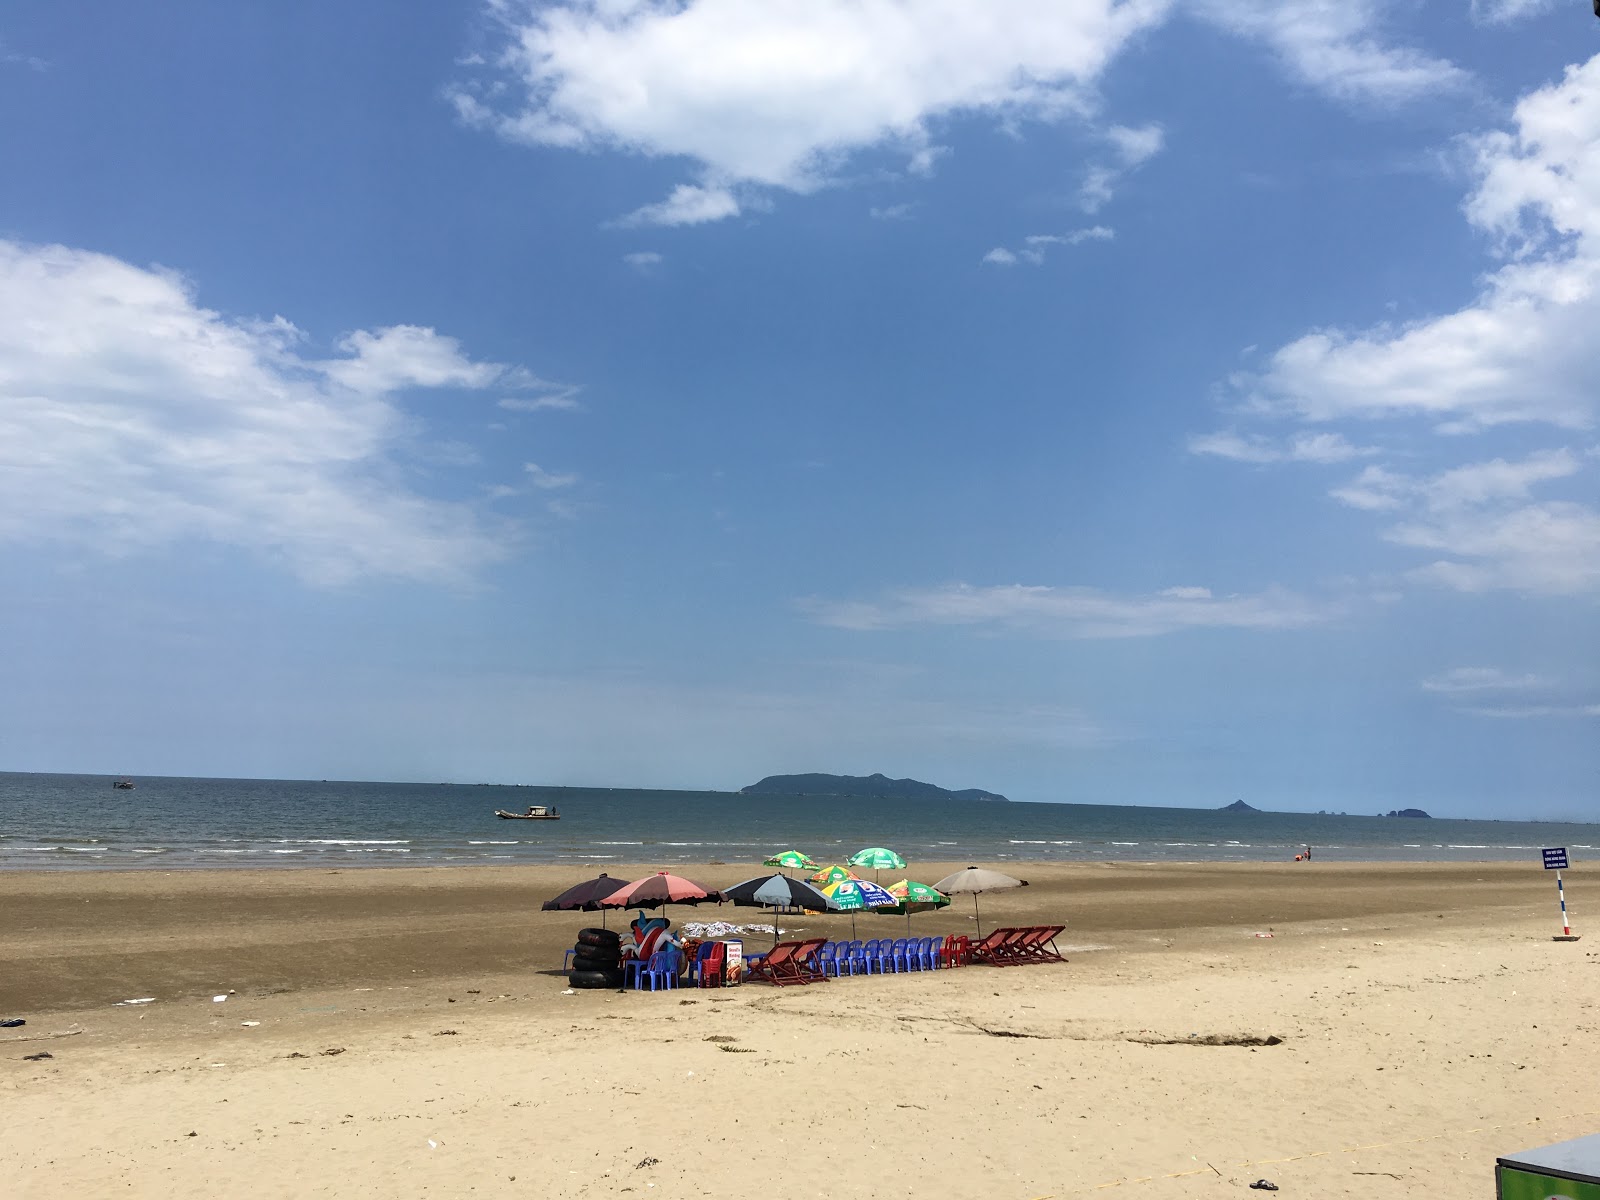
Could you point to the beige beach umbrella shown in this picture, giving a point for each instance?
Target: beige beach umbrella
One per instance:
(976, 880)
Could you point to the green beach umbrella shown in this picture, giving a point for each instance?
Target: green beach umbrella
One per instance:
(789, 858)
(913, 897)
(879, 858)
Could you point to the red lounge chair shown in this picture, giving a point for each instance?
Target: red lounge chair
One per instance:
(806, 963)
(781, 964)
(989, 948)
(1037, 944)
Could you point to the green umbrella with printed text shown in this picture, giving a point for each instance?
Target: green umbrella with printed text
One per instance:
(790, 858)
(853, 895)
(912, 897)
(879, 858)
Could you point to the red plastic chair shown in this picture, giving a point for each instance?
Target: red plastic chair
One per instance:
(712, 965)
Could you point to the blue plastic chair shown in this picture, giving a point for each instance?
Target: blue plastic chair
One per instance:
(660, 968)
(824, 959)
(898, 955)
(872, 955)
(853, 958)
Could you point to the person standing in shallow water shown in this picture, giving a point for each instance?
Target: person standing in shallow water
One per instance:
(1308, 853)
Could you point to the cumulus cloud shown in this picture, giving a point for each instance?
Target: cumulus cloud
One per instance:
(1523, 350)
(775, 93)
(1335, 46)
(643, 259)
(1071, 612)
(1484, 518)
(1000, 257)
(780, 94)
(687, 205)
(132, 417)
(403, 356)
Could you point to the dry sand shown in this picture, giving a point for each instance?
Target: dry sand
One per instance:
(414, 1039)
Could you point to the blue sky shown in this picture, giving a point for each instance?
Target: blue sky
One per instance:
(1106, 402)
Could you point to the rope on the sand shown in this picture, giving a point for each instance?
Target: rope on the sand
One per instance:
(43, 1037)
(1272, 1162)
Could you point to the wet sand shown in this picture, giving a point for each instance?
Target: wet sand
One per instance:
(1427, 1021)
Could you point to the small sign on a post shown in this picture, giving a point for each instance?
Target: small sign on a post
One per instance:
(1555, 859)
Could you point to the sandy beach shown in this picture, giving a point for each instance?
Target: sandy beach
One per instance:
(405, 1032)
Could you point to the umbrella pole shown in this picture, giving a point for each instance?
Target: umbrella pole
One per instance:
(975, 913)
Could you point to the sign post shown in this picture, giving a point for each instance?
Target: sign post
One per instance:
(1555, 859)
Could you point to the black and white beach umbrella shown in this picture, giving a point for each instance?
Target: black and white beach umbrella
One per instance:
(777, 892)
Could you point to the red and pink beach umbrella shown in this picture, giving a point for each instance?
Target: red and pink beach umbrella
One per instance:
(655, 890)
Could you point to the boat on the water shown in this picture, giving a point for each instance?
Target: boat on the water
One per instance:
(125, 785)
(536, 812)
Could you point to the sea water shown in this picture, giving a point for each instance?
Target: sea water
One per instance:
(82, 822)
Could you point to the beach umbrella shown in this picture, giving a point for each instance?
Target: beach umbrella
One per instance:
(778, 892)
(977, 880)
(878, 858)
(853, 895)
(655, 890)
(585, 896)
(790, 858)
(833, 874)
(911, 897)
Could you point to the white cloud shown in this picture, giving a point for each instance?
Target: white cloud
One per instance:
(687, 205)
(1482, 517)
(1480, 679)
(1255, 448)
(1036, 245)
(131, 417)
(891, 212)
(1524, 349)
(544, 396)
(780, 94)
(1525, 712)
(403, 356)
(545, 479)
(776, 93)
(1131, 149)
(1334, 46)
(643, 259)
(1071, 612)
(1504, 12)
(9, 57)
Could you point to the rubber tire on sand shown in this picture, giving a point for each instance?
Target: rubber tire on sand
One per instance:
(584, 963)
(595, 979)
(599, 937)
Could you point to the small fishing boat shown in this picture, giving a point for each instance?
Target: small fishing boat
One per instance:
(125, 785)
(536, 812)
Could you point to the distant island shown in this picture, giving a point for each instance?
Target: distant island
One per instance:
(1407, 812)
(1238, 806)
(874, 787)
